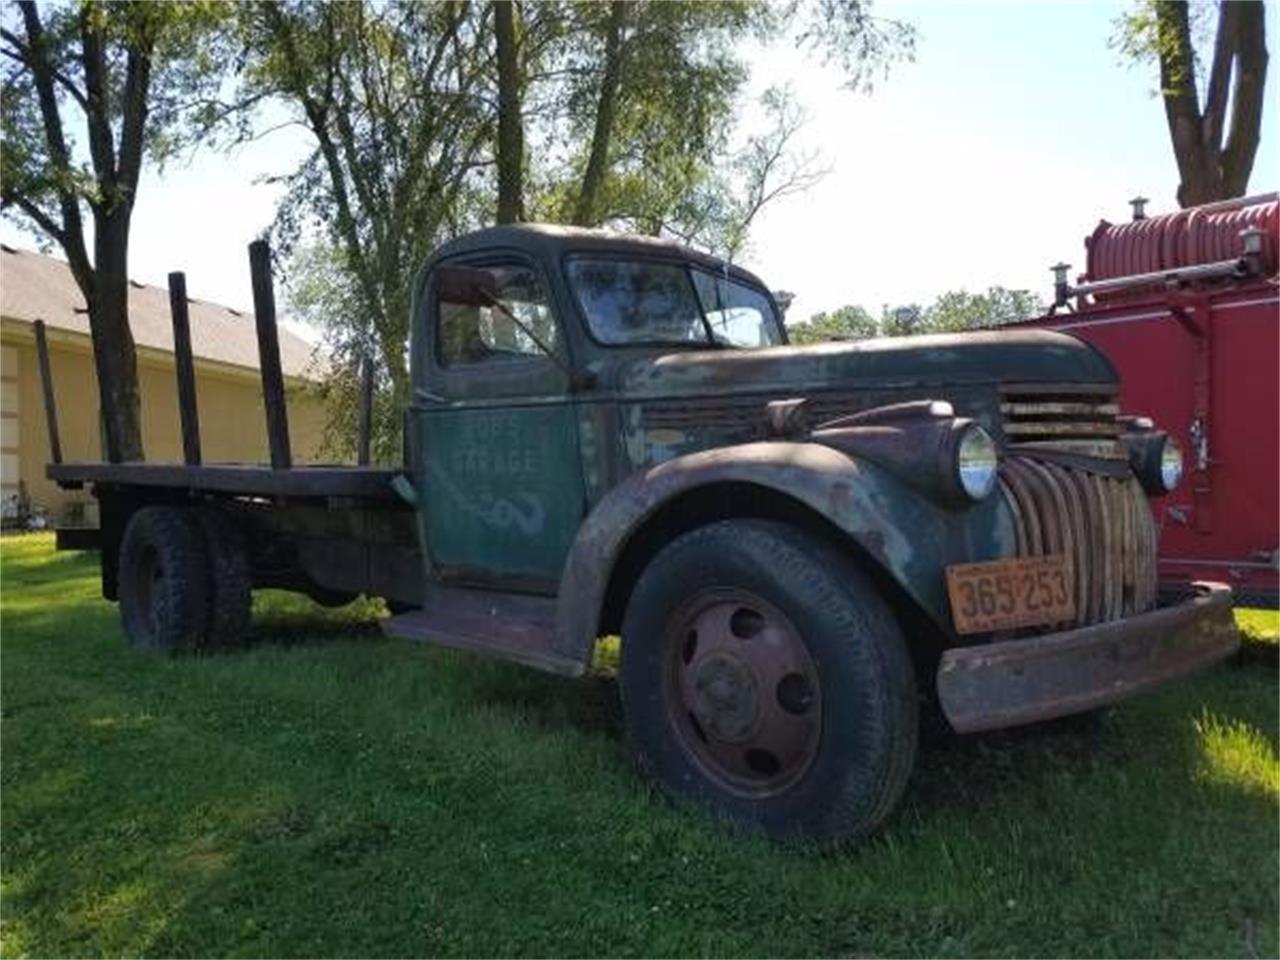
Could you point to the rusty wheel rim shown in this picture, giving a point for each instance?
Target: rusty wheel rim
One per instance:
(742, 692)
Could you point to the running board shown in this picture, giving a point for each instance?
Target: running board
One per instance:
(513, 626)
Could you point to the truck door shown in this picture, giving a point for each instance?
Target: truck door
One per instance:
(496, 459)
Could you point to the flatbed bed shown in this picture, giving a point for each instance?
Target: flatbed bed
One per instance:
(235, 479)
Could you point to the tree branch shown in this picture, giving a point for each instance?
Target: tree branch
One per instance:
(1224, 53)
(1178, 89)
(71, 234)
(1246, 109)
(606, 105)
(42, 219)
(134, 113)
(22, 54)
(101, 143)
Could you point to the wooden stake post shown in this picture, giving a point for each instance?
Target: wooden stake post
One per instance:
(184, 366)
(264, 308)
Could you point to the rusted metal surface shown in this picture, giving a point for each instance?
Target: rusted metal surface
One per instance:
(46, 387)
(742, 692)
(1063, 418)
(1004, 684)
(1102, 523)
(264, 310)
(184, 368)
(236, 479)
(908, 365)
(508, 625)
(909, 535)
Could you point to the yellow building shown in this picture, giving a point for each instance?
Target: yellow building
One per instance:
(228, 385)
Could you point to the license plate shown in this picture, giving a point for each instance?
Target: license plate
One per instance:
(1017, 592)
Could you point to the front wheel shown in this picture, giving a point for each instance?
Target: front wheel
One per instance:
(764, 678)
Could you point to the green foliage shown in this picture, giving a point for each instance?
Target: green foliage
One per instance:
(953, 312)
(185, 47)
(1141, 37)
(679, 74)
(330, 792)
(629, 115)
(846, 323)
(393, 96)
(848, 33)
(958, 310)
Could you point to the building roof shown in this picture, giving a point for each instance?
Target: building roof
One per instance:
(37, 287)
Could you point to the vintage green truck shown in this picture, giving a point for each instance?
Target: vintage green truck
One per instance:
(801, 548)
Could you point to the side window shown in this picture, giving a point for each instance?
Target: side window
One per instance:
(470, 334)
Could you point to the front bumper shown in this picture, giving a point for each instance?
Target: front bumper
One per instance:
(1004, 684)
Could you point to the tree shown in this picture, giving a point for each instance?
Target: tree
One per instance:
(394, 97)
(646, 137)
(1215, 140)
(129, 73)
(952, 312)
(509, 148)
(430, 118)
(958, 310)
(846, 323)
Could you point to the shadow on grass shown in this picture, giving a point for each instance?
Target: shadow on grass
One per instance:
(303, 630)
(588, 704)
(952, 770)
(1257, 652)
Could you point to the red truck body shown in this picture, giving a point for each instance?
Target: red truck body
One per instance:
(1197, 348)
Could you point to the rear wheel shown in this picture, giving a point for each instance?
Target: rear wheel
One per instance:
(163, 580)
(764, 678)
(230, 594)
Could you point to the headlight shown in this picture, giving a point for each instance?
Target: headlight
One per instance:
(976, 462)
(1155, 459)
(1170, 465)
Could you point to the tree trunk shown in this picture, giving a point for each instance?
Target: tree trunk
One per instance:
(1246, 110)
(1207, 169)
(606, 106)
(510, 152)
(115, 358)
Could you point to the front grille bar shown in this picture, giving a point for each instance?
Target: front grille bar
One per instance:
(1103, 524)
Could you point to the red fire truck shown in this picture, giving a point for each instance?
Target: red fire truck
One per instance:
(1185, 305)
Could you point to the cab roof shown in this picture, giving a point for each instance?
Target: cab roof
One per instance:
(550, 241)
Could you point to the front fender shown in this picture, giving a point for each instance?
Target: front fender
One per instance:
(910, 535)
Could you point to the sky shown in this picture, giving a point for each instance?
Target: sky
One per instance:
(983, 162)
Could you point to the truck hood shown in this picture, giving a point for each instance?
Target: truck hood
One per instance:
(1013, 356)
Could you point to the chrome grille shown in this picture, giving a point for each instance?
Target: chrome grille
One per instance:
(1062, 418)
(1102, 523)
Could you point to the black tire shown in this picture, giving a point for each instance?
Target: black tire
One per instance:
(855, 769)
(230, 586)
(163, 580)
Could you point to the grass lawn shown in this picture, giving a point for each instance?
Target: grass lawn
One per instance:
(331, 792)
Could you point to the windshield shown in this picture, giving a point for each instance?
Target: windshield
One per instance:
(635, 302)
